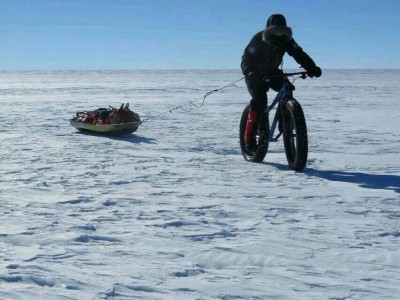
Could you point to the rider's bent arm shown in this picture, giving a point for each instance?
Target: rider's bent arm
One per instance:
(249, 58)
(248, 64)
(294, 50)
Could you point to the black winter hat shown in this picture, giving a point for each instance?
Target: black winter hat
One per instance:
(276, 19)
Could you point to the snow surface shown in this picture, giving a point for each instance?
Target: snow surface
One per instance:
(174, 212)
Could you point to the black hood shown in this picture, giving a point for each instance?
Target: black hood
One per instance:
(277, 34)
(276, 19)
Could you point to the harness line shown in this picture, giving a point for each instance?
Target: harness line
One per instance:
(192, 103)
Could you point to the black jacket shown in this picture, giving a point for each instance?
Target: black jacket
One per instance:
(263, 55)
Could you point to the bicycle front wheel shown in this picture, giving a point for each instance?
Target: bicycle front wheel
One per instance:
(295, 135)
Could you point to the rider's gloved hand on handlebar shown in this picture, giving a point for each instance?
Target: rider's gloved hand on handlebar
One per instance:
(314, 72)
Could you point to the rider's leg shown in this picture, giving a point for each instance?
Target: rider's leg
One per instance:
(251, 128)
(258, 91)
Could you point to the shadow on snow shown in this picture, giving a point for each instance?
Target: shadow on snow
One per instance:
(127, 137)
(365, 180)
(131, 138)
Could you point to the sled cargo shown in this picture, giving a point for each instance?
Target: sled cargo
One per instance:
(106, 129)
(107, 120)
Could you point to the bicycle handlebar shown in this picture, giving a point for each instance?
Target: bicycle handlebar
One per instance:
(302, 73)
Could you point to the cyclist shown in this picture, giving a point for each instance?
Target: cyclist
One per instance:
(263, 56)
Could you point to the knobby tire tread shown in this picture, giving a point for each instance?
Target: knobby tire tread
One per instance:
(297, 159)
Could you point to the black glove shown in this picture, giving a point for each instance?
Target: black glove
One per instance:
(314, 72)
(253, 76)
(253, 82)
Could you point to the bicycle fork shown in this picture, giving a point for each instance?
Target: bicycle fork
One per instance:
(278, 121)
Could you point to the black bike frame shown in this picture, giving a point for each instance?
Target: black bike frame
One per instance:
(286, 92)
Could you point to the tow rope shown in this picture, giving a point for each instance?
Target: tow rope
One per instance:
(192, 104)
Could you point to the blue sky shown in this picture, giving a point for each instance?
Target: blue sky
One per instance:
(191, 34)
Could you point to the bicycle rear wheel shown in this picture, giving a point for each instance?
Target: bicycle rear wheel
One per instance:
(261, 137)
(295, 135)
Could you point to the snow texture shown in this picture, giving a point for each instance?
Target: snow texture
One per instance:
(173, 211)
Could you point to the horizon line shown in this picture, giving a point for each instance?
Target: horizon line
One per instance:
(180, 69)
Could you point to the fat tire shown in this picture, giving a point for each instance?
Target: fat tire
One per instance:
(295, 135)
(262, 138)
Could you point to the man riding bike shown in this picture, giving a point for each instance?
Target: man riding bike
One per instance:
(263, 56)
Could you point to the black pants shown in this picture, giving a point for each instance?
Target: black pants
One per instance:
(258, 89)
